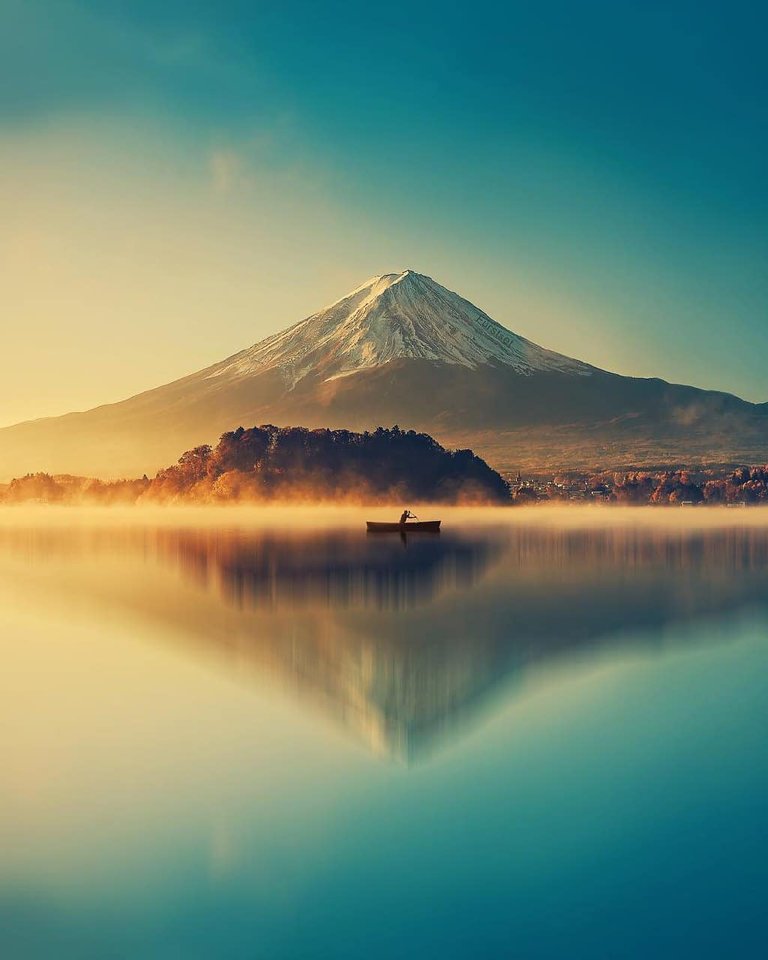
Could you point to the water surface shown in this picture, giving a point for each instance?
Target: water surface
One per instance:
(242, 734)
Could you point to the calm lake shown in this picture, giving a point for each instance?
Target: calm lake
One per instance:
(242, 734)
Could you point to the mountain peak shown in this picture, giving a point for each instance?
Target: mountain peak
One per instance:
(405, 315)
(376, 286)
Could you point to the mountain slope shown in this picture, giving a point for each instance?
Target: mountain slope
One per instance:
(402, 348)
(395, 316)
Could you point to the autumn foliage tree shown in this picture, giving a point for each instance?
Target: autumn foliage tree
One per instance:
(269, 462)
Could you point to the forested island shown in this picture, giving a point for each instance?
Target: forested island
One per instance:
(269, 463)
(386, 465)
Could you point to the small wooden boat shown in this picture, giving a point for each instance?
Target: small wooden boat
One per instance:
(414, 526)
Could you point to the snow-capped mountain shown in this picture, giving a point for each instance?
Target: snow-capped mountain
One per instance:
(394, 316)
(403, 349)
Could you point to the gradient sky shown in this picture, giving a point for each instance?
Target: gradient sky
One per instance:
(180, 179)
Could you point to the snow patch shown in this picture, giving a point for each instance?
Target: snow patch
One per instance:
(405, 315)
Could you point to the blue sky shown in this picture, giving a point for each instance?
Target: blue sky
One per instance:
(188, 177)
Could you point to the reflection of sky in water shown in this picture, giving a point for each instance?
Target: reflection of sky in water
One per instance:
(568, 791)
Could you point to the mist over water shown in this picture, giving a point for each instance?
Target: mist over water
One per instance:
(243, 733)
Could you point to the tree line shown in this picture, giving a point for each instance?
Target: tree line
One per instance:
(269, 463)
(293, 463)
(747, 485)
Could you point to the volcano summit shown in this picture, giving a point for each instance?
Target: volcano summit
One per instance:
(403, 349)
(393, 317)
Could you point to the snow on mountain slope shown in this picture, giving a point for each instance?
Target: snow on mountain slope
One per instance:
(397, 315)
(403, 349)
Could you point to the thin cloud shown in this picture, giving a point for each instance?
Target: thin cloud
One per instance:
(227, 170)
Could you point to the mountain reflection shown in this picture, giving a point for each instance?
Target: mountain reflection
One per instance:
(405, 644)
(417, 672)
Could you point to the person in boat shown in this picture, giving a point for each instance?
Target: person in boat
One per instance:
(406, 515)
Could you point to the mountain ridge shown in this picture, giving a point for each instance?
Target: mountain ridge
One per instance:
(393, 316)
(401, 348)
